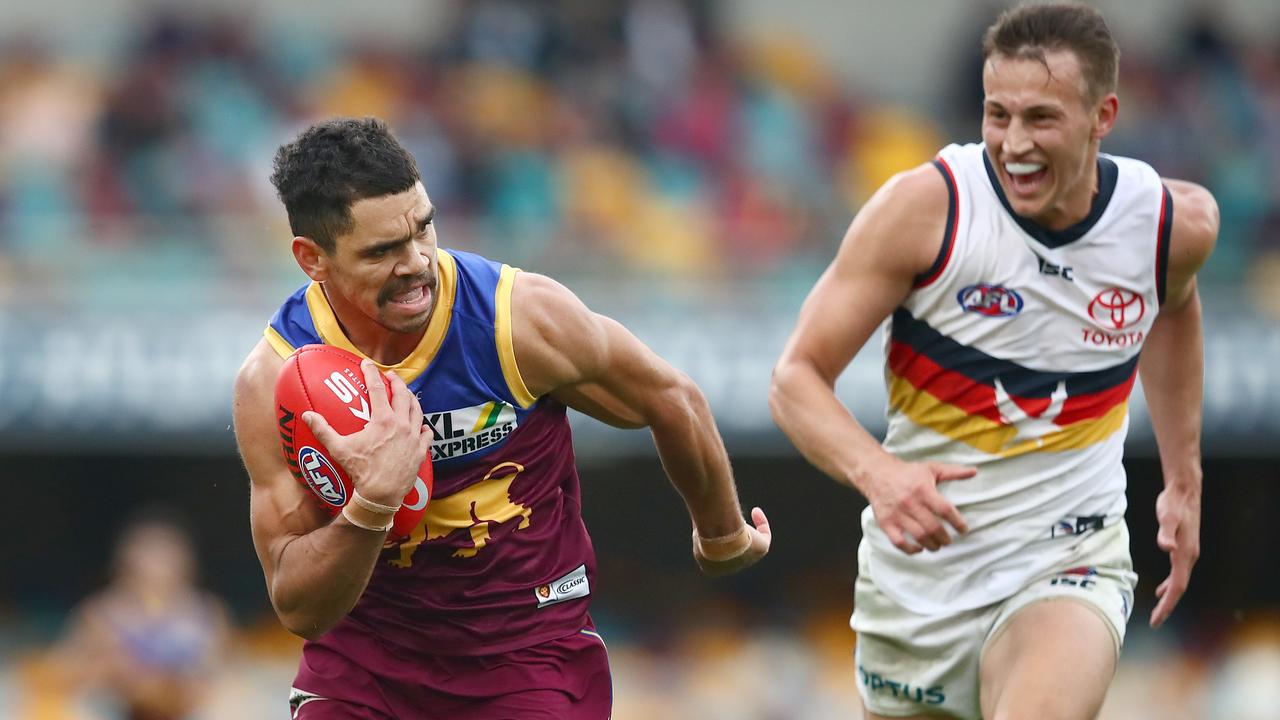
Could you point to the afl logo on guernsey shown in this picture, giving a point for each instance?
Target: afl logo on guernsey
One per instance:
(1118, 308)
(990, 300)
(322, 476)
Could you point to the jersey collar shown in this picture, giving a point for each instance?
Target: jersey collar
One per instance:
(416, 363)
(1107, 175)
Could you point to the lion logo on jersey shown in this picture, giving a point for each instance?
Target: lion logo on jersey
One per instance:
(473, 508)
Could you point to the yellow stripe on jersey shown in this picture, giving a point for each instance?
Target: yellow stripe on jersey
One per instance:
(485, 411)
(1085, 432)
(926, 410)
(416, 363)
(502, 334)
(278, 343)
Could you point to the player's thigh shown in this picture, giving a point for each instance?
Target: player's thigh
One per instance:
(580, 689)
(1053, 660)
(563, 679)
(909, 665)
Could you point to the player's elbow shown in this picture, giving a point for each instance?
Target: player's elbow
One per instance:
(784, 385)
(307, 620)
(681, 404)
(304, 631)
(306, 624)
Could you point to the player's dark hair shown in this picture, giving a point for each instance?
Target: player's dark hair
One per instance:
(333, 164)
(1028, 31)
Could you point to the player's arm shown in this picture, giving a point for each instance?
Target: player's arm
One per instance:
(595, 365)
(893, 239)
(1172, 373)
(316, 568)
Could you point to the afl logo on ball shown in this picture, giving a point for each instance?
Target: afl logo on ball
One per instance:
(990, 300)
(1118, 308)
(322, 476)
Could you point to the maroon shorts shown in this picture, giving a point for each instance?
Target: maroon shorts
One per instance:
(563, 679)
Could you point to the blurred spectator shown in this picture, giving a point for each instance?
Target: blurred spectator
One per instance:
(149, 646)
(580, 135)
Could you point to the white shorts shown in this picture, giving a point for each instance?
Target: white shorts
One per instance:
(910, 664)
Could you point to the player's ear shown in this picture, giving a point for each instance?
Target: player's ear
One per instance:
(312, 258)
(1104, 115)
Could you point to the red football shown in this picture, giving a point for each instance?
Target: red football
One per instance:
(328, 380)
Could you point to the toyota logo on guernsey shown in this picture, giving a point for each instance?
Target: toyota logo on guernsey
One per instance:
(1118, 308)
(990, 300)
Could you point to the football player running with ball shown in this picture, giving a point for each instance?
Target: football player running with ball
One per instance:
(1021, 276)
(481, 612)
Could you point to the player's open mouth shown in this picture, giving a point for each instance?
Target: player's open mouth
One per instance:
(1024, 177)
(413, 300)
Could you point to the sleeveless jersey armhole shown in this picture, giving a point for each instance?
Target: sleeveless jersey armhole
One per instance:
(1163, 233)
(277, 342)
(502, 336)
(949, 235)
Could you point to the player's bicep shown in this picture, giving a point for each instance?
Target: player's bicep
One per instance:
(840, 314)
(629, 385)
(588, 361)
(279, 507)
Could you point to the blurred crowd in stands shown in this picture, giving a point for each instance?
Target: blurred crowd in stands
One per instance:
(558, 135)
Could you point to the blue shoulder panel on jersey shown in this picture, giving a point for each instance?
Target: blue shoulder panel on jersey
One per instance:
(293, 320)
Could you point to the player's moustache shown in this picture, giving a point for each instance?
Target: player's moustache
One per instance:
(402, 285)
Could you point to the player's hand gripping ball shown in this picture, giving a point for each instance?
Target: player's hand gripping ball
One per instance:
(328, 380)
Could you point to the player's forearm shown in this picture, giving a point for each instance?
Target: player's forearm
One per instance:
(692, 453)
(319, 576)
(805, 407)
(1172, 375)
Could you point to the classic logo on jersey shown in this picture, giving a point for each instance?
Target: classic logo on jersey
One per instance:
(572, 585)
(475, 508)
(990, 300)
(467, 430)
(321, 476)
(1118, 308)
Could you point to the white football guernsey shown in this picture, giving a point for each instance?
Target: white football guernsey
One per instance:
(1016, 353)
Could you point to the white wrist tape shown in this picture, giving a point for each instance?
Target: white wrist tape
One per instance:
(367, 514)
(370, 505)
(724, 547)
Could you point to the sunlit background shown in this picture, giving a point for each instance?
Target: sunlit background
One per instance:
(688, 167)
